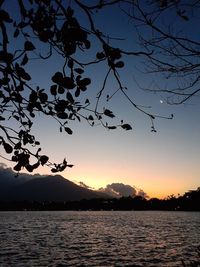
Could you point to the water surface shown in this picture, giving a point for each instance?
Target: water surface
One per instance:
(103, 238)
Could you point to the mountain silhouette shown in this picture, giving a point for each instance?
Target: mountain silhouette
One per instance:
(43, 188)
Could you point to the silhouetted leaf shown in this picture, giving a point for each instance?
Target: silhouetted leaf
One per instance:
(119, 64)
(100, 55)
(16, 117)
(43, 159)
(62, 115)
(79, 70)
(2, 118)
(126, 127)
(43, 97)
(68, 130)
(112, 127)
(70, 97)
(61, 90)
(4, 16)
(24, 60)
(68, 83)
(29, 168)
(33, 96)
(18, 145)
(85, 81)
(109, 113)
(22, 73)
(57, 77)
(87, 101)
(70, 165)
(90, 118)
(17, 167)
(16, 33)
(77, 93)
(70, 63)
(53, 90)
(28, 46)
(8, 148)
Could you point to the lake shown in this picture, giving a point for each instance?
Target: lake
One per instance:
(103, 238)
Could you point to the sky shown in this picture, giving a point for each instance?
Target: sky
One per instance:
(161, 163)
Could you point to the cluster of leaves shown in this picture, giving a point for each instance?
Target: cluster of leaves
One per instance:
(55, 26)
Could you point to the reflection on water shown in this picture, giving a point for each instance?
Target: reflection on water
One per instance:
(135, 238)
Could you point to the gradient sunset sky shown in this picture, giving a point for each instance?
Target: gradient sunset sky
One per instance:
(162, 163)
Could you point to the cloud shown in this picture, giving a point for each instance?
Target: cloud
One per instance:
(119, 190)
(122, 190)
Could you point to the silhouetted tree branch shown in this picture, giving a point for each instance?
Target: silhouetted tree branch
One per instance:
(167, 29)
(55, 26)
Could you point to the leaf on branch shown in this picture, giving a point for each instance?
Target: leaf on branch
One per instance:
(36, 165)
(70, 165)
(62, 115)
(126, 126)
(100, 55)
(77, 93)
(29, 168)
(43, 159)
(24, 60)
(8, 148)
(28, 46)
(79, 70)
(18, 145)
(68, 83)
(4, 16)
(2, 118)
(68, 130)
(87, 101)
(112, 127)
(61, 90)
(43, 97)
(53, 90)
(119, 64)
(17, 167)
(16, 33)
(70, 63)
(85, 81)
(22, 73)
(70, 97)
(57, 77)
(90, 118)
(109, 113)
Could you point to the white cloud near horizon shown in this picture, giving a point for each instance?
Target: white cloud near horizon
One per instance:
(122, 190)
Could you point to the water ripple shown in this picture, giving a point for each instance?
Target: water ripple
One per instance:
(101, 239)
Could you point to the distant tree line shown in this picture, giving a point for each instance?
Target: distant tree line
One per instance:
(187, 202)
